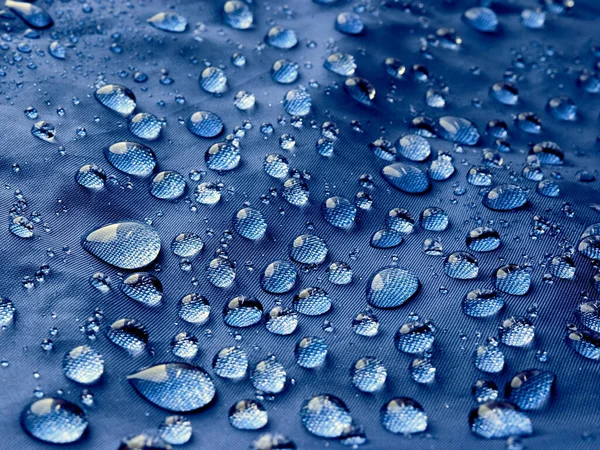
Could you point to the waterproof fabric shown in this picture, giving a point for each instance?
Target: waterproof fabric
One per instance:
(552, 59)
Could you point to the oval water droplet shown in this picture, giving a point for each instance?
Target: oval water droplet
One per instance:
(269, 376)
(481, 19)
(341, 64)
(220, 272)
(21, 226)
(415, 337)
(484, 391)
(32, 15)
(168, 185)
(238, 15)
(168, 21)
(434, 219)
(386, 238)
(187, 245)
(222, 156)
(325, 416)
(131, 158)
(310, 352)
(250, 223)
(513, 279)
(482, 303)
(391, 287)
(91, 176)
(279, 277)
(231, 363)
(414, 147)
(295, 192)
(349, 23)
(281, 38)
(368, 374)
(175, 430)
(248, 415)
(44, 130)
(407, 178)
(530, 389)
(177, 387)
(360, 89)
(505, 92)
(194, 308)
(144, 288)
(281, 321)
(499, 420)
(461, 266)
(517, 332)
(116, 98)
(297, 103)
(213, 80)
(488, 357)
(145, 126)
(127, 245)
(284, 71)
(483, 239)
(403, 415)
(505, 197)
(83, 365)
(339, 212)
(308, 249)
(205, 124)
(54, 420)
(312, 301)
(129, 334)
(458, 129)
(339, 273)
(242, 311)
(586, 343)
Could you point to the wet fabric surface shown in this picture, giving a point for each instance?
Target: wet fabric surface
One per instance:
(546, 62)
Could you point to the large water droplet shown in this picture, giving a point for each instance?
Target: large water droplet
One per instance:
(284, 71)
(54, 420)
(505, 198)
(127, 245)
(32, 15)
(517, 332)
(482, 303)
(391, 287)
(269, 376)
(207, 193)
(563, 108)
(360, 89)
(213, 80)
(586, 343)
(237, 14)
(282, 38)
(407, 178)
(483, 239)
(548, 152)
(310, 352)
(366, 323)
(205, 124)
(128, 334)
(187, 245)
(458, 129)
(44, 130)
(368, 374)
(326, 416)
(132, 158)
(434, 219)
(415, 337)
(513, 279)
(312, 301)
(143, 287)
(21, 226)
(340, 64)
(308, 249)
(175, 430)
(145, 126)
(91, 176)
(83, 365)
(386, 238)
(116, 98)
(194, 308)
(248, 415)
(499, 420)
(168, 185)
(250, 223)
(222, 156)
(588, 314)
(220, 272)
(295, 192)
(281, 321)
(177, 387)
(482, 19)
(242, 311)
(168, 21)
(506, 93)
(349, 23)
(276, 165)
(339, 212)
(403, 415)
(297, 102)
(414, 147)
(231, 363)
(530, 389)
(488, 357)
(339, 272)
(484, 391)
(279, 277)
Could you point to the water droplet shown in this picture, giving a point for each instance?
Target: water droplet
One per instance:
(177, 387)
(339, 273)
(517, 332)
(213, 80)
(504, 92)
(269, 376)
(482, 303)
(415, 337)
(484, 391)
(325, 416)
(132, 158)
(368, 374)
(128, 334)
(32, 15)
(394, 68)
(341, 64)
(279, 277)
(238, 15)
(458, 129)
(21, 226)
(281, 38)
(530, 389)
(44, 131)
(391, 287)
(91, 176)
(513, 279)
(273, 441)
(312, 301)
(83, 365)
(339, 212)
(220, 272)
(54, 420)
(434, 219)
(586, 343)
(386, 238)
(57, 50)
(533, 18)
(250, 223)
(505, 197)
(414, 147)
(349, 23)
(116, 98)
(499, 420)
(403, 415)
(488, 357)
(563, 108)
(231, 363)
(205, 124)
(588, 314)
(145, 126)
(222, 156)
(168, 21)
(529, 122)
(175, 430)
(281, 321)
(143, 441)
(144, 288)
(207, 193)
(548, 188)
(168, 185)
(284, 71)
(187, 245)
(184, 345)
(127, 245)
(7, 311)
(479, 176)
(297, 103)
(407, 178)
(461, 266)
(194, 308)
(481, 19)
(310, 352)
(483, 239)
(295, 192)
(248, 415)
(360, 90)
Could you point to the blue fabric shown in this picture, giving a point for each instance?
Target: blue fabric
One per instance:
(553, 58)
